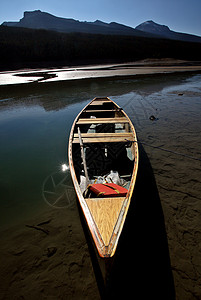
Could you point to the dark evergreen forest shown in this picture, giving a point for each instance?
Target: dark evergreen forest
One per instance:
(21, 47)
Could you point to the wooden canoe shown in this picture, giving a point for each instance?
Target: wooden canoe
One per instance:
(102, 139)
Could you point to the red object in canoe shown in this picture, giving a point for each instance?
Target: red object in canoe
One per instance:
(106, 190)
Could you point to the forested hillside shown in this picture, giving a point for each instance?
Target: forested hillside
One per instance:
(20, 47)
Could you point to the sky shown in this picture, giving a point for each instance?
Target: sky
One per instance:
(178, 15)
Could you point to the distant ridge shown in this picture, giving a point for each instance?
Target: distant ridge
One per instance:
(165, 32)
(43, 20)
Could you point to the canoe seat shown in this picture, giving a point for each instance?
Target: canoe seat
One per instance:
(104, 137)
(102, 120)
(99, 102)
(100, 111)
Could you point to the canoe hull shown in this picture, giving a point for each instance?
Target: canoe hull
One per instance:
(105, 217)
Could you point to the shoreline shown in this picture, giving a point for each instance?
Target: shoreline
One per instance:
(116, 71)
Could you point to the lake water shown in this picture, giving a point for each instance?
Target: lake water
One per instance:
(35, 121)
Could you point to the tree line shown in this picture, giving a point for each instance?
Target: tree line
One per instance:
(21, 47)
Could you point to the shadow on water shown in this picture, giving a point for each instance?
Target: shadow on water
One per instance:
(141, 266)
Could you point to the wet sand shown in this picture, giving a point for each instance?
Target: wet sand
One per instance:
(50, 262)
(177, 178)
(144, 67)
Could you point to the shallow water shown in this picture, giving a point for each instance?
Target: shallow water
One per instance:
(35, 121)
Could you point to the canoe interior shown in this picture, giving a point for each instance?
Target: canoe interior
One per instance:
(107, 138)
(109, 146)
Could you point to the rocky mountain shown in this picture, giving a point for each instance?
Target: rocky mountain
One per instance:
(42, 20)
(165, 32)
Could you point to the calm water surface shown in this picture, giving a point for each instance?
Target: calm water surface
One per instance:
(35, 121)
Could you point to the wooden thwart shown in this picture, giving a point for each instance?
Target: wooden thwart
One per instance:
(99, 102)
(104, 137)
(105, 134)
(102, 110)
(102, 120)
(104, 140)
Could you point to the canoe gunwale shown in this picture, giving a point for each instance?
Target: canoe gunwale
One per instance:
(104, 250)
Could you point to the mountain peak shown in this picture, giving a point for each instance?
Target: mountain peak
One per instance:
(164, 31)
(149, 22)
(100, 23)
(152, 27)
(32, 13)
